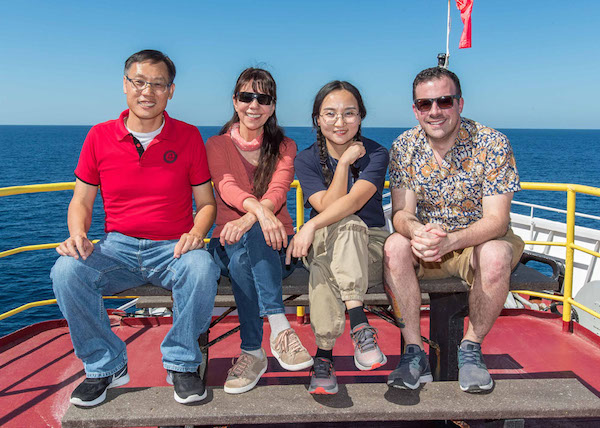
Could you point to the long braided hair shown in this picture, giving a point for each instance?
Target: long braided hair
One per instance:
(272, 133)
(334, 85)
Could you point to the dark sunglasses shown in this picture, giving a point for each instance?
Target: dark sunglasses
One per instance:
(445, 102)
(248, 97)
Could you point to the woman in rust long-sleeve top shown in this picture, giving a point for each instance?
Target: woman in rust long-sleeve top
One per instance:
(252, 165)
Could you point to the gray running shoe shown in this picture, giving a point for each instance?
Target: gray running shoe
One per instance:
(323, 379)
(245, 373)
(413, 369)
(473, 375)
(367, 355)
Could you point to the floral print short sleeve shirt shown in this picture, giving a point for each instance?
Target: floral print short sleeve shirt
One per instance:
(480, 163)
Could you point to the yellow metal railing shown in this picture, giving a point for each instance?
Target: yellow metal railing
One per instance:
(52, 187)
(570, 246)
(36, 188)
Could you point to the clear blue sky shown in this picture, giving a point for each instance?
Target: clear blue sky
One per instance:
(533, 64)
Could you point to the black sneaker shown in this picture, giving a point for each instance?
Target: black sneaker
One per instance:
(92, 391)
(413, 369)
(188, 386)
(473, 375)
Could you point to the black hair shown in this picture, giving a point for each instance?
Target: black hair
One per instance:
(436, 73)
(273, 134)
(154, 57)
(334, 85)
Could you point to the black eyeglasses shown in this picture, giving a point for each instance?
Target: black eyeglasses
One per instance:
(444, 102)
(248, 97)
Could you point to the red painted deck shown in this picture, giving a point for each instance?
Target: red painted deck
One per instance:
(39, 369)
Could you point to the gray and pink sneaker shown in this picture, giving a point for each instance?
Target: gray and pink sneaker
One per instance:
(367, 355)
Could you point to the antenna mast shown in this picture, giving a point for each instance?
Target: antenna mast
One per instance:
(444, 59)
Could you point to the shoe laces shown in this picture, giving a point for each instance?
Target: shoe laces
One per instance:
(365, 338)
(322, 368)
(412, 359)
(471, 356)
(288, 341)
(239, 367)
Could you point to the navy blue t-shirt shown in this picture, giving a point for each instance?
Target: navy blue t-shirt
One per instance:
(371, 167)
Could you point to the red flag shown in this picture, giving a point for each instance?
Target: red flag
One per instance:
(465, 7)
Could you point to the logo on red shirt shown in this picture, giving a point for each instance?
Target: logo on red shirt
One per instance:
(170, 156)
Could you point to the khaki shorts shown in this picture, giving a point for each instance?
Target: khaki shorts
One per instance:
(458, 263)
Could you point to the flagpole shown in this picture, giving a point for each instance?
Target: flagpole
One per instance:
(448, 39)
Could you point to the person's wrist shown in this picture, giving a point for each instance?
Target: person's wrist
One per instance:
(344, 162)
(249, 218)
(310, 225)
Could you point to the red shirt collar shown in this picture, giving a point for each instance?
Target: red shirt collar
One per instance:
(167, 133)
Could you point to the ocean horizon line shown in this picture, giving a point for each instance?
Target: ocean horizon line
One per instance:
(310, 126)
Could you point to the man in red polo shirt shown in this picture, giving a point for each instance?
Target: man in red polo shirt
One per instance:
(148, 167)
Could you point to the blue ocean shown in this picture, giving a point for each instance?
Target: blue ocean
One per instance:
(47, 154)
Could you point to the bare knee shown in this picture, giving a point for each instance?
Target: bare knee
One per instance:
(397, 252)
(493, 258)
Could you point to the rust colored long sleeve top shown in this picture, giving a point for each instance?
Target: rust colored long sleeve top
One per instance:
(233, 185)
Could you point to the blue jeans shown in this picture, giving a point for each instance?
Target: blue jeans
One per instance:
(117, 263)
(255, 270)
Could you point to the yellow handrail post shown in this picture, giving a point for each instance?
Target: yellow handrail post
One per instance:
(299, 206)
(300, 310)
(568, 284)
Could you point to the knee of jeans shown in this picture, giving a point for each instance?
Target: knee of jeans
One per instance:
(239, 261)
(64, 270)
(254, 233)
(199, 263)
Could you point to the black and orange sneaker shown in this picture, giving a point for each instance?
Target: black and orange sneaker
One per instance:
(323, 379)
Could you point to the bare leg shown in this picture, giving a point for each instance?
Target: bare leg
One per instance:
(351, 304)
(400, 278)
(491, 261)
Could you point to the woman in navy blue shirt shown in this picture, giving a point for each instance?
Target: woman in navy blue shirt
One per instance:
(342, 176)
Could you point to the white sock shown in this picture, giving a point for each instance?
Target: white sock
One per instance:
(258, 353)
(278, 323)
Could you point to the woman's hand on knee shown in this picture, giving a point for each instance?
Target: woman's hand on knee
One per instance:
(300, 243)
(272, 228)
(234, 230)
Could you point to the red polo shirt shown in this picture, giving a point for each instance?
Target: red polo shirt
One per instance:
(149, 195)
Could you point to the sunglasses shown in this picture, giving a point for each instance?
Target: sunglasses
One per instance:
(445, 102)
(248, 97)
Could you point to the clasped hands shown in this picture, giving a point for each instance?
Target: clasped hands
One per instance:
(430, 242)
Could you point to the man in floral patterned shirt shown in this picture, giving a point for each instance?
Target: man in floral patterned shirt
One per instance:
(452, 181)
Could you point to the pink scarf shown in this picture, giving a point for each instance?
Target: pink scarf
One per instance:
(243, 145)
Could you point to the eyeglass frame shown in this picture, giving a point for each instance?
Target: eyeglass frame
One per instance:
(435, 100)
(146, 84)
(356, 114)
